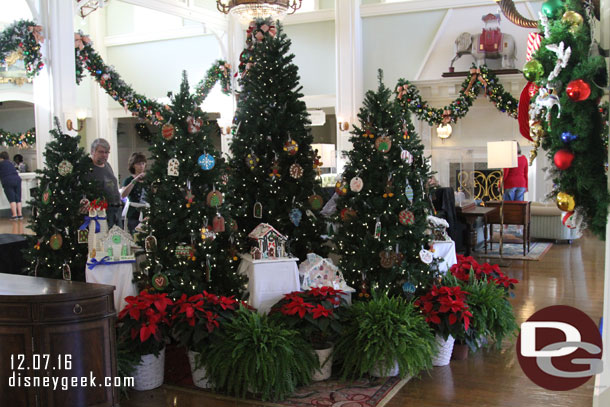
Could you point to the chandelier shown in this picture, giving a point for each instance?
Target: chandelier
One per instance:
(248, 10)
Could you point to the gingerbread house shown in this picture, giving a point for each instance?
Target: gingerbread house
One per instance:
(267, 242)
(117, 245)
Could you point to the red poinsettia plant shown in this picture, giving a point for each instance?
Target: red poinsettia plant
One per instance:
(144, 323)
(196, 317)
(446, 310)
(314, 312)
(461, 270)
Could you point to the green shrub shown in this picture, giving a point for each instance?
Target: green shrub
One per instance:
(492, 314)
(383, 331)
(252, 353)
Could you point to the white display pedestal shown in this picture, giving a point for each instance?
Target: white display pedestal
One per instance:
(444, 250)
(118, 275)
(269, 280)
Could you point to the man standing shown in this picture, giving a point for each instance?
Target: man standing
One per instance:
(103, 174)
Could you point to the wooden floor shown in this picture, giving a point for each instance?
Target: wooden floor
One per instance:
(568, 274)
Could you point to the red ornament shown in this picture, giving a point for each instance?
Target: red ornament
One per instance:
(563, 159)
(578, 90)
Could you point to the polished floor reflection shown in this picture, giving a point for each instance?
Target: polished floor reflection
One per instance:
(568, 275)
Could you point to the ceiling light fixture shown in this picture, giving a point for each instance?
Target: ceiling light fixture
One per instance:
(248, 10)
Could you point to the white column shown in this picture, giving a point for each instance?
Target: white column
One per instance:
(103, 125)
(601, 391)
(348, 47)
(55, 86)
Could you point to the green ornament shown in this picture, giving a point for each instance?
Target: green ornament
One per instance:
(552, 8)
(160, 281)
(533, 70)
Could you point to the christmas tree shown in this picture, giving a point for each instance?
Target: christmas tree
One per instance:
(188, 217)
(54, 251)
(567, 119)
(273, 176)
(382, 205)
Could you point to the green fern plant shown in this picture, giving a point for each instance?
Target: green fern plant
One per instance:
(383, 331)
(252, 353)
(492, 314)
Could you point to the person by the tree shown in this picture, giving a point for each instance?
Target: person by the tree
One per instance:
(382, 205)
(64, 188)
(188, 218)
(273, 177)
(565, 112)
(106, 180)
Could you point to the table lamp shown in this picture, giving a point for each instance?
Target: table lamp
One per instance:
(501, 154)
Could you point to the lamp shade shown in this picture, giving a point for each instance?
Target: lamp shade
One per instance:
(502, 154)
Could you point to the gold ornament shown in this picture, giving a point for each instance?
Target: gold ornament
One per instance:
(565, 202)
(573, 19)
(536, 132)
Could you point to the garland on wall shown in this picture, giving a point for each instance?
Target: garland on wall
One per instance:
(477, 79)
(21, 40)
(87, 59)
(21, 140)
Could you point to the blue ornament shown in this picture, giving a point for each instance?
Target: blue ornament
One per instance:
(295, 216)
(206, 161)
(98, 72)
(408, 288)
(409, 192)
(568, 137)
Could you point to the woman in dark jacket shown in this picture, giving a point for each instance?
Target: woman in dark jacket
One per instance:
(11, 183)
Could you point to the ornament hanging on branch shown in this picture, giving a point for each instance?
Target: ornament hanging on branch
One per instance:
(173, 166)
(296, 171)
(573, 20)
(206, 161)
(341, 187)
(56, 241)
(578, 90)
(291, 146)
(252, 161)
(383, 144)
(563, 159)
(257, 211)
(150, 243)
(167, 131)
(159, 281)
(388, 193)
(377, 230)
(568, 137)
(409, 191)
(64, 168)
(347, 214)
(316, 202)
(565, 202)
(563, 57)
(193, 124)
(295, 216)
(533, 70)
(214, 198)
(218, 223)
(406, 157)
(356, 184)
(406, 217)
(275, 170)
(546, 100)
(66, 273)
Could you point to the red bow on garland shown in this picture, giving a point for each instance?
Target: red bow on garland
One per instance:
(476, 75)
(193, 124)
(80, 41)
(401, 90)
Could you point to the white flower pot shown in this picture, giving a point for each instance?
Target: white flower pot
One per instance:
(148, 374)
(326, 363)
(199, 375)
(445, 349)
(393, 371)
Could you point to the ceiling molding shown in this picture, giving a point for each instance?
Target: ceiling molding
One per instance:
(416, 6)
(310, 17)
(213, 20)
(163, 35)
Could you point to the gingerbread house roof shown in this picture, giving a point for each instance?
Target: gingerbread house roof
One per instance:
(314, 260)
(117, 231)
(263, 230)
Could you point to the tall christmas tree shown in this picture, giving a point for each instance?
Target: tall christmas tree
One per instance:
(54, 251)
(195, 244)
(382, 205)
(273, 176)
(566, 113)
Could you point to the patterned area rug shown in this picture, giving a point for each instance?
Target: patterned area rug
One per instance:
(373, 392)
(514, 251)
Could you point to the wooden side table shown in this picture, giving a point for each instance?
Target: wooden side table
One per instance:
(515, 213)
(55, 329)
(470, 215)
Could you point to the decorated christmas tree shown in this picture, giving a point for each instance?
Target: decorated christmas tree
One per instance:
(190, 235)
(382, 204)
(565, 112)
(54, 251)
(273, 176)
